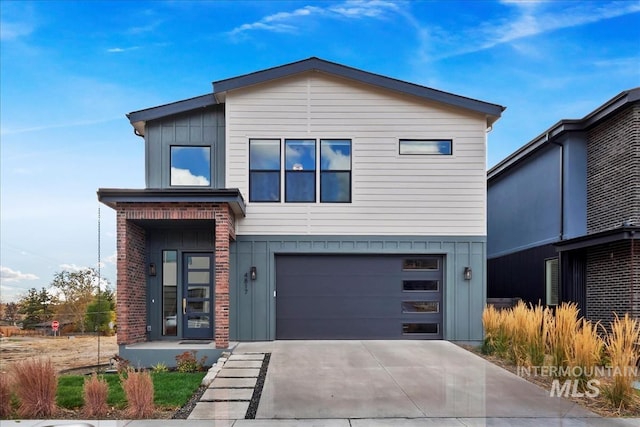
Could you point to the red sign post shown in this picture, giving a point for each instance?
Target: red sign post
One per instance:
(55, 325)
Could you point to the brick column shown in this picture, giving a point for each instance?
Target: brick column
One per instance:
(225, 230)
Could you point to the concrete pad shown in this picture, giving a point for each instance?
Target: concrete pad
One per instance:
(233, 382)
(407, 422)
(238, 373)
(254, 347)
(292, 423)
(243, 364)
(536, 422)
(74, 423)
(181, 423)
(249, 356)
(227, 394)
(219, 411)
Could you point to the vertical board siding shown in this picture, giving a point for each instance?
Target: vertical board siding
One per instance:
(391, 194)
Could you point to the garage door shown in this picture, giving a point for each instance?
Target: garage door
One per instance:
(359, 297)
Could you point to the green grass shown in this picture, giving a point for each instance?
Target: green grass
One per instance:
(172, 389)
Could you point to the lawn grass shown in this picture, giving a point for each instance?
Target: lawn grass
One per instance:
(171, 389)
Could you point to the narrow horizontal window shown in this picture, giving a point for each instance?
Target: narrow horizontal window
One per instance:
(426, 147)
(420, 307)
(419, 328)
(420, 285)
(264, 170)
(421, 264)
(190, 166)
(300, 175)
(335, 171)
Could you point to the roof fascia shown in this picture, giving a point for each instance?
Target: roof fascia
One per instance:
(173, 108)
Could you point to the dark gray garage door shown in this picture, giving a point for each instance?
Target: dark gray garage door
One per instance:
(359, 297)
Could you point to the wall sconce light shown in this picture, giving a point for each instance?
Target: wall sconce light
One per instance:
(467, 273)
(152, 269)
(254, 273)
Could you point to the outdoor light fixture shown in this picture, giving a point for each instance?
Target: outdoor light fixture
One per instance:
(254, 273)
(467, 273)
(152, 269)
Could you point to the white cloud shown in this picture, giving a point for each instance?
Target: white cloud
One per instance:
(122, 49)
(185, 177)
(7, 275)
(14, 30)
(72, 267)
(336, 159)
(288, 22)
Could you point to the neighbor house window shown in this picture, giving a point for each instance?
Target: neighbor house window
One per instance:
(426, 146)
(169, 293)
(300, 170)
(264, 170)
(335, 171)
(551, 280)
(190, 166)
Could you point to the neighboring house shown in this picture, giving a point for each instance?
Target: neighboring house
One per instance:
(564, 214)
(306, 201)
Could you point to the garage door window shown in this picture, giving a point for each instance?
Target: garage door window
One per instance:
(419, 328)
(421, 264)
(420, 307)
(420, 285)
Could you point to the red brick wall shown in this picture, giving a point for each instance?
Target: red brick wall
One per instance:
(131, 305)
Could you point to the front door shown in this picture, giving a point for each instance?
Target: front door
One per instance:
(197, 302)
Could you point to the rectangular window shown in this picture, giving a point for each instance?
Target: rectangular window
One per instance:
(551, 280)
(190, 166)
(264, 170)
(420, 285)
(420, 264)
(169, 293)
(419, 328)
(420, 307)
(300, 170)
(426, 147)
(335, 171)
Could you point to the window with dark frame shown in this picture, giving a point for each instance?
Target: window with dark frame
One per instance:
(552, 280)
(426, 147)
(335, 171)
(300, 170)
(264, 170)
(190, 166)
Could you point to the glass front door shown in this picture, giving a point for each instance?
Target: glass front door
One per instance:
(197, 302)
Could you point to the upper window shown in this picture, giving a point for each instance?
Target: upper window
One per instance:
(190, 166)
(551, 280)
(300, 173)
(335, 170)
(264, 170)
(426, 146)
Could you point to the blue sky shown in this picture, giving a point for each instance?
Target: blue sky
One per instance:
(69, 71)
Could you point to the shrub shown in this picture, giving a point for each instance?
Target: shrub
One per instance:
(561, 332)
(620, 345)
(160, 367)
(585, 351)
(96, 391)
(36, 382)
(187, 362)
(495, 341)
(138, 389)
(5, 396)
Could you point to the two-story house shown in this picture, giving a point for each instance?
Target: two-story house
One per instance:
(564, 214)
(306, 201)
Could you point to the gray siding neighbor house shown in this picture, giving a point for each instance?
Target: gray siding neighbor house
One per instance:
(306, 201)
(564, 214)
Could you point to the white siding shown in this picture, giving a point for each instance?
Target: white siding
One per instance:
(391, 194)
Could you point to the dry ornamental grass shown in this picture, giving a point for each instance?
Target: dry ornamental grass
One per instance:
(35, 384)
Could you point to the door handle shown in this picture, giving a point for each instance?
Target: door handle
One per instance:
(184, 306)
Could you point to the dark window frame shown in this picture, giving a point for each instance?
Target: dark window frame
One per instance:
(337, 171)
(269, 171)
(287, 172)
(210, 177)
(449, 140)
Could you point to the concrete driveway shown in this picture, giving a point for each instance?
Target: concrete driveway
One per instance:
(398, 380)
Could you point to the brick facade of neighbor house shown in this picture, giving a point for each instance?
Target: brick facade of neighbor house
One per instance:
(613, 171)
(613, 200)
(131, 302)
(612, 270)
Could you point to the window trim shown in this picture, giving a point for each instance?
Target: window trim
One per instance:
(274, 171)
(286, 171)
(449, 140)
(548, 285)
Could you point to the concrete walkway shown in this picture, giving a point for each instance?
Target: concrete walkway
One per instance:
(375, 383)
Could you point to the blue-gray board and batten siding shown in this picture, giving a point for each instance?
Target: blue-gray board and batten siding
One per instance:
(253, 304)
